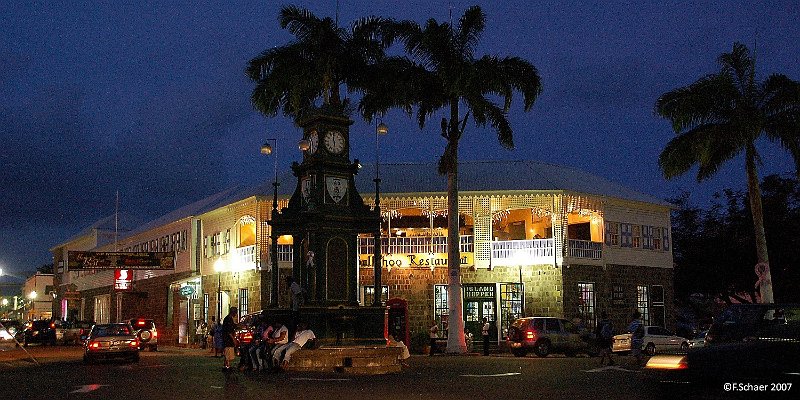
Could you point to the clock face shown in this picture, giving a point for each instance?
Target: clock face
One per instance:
(313, 139)
(334, 142)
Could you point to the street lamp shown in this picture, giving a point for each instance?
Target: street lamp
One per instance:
(380, 129)
(268, 149)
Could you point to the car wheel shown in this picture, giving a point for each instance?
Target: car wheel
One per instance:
(650, 349)
(519, 352)
(542, 348)
(684, 346)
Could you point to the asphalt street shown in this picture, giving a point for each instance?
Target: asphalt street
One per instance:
(179, 373)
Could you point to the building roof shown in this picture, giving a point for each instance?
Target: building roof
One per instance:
(405, 178)
(494, 176)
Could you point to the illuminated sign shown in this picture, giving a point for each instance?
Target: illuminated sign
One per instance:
(123, 279)
(187, 291)
(479, 292)
(427, 260)
(80, 260)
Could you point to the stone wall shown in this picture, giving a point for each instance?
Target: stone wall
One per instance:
(626, 276)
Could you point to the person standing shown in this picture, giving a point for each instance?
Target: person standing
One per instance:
(605, 337)
(229, 338)
(636, 329)
(217, 341)
(433, 333)
(485, 333)
(202, 331)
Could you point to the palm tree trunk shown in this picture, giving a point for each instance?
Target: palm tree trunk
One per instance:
(754, 195)
(455, 320)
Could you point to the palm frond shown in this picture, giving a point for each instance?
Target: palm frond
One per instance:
(469, 30)
(703, 102)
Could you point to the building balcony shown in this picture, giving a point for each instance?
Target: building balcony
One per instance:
(519, 252)
(585, 249)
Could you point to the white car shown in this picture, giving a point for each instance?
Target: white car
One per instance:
(656, 340)
(698, 341)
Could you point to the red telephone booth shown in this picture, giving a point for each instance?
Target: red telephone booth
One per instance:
(397, 323)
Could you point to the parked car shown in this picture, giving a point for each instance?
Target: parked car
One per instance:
(245, 330)
(747, 322)
(545, 335)
(698, 341)
(656, 340)
(145, 330)
(116, 340)
(10, 329)
(71, 332)
(40, 331)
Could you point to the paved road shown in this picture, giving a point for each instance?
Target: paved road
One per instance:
(175, 373)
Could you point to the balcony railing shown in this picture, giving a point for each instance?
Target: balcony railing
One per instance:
(585, 249)
(246, 255)
(414, 245)
(519, 252)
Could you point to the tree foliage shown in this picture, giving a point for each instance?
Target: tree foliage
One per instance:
(714, 248)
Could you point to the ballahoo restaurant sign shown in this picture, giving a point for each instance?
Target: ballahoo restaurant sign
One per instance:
(416, 260)
(82, 260)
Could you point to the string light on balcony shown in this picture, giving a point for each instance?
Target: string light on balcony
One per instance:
(391, 214)
(500, 215)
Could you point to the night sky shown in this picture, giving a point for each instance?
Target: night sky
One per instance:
(151, 100)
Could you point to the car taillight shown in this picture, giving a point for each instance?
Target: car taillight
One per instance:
(94, 345)
(530, 335)
(134, 343)
(53, 325)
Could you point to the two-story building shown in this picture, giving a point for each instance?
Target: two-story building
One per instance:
(535, 239)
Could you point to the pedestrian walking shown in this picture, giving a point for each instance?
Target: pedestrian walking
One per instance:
(217, 342)
(604, 334)
(636, 329)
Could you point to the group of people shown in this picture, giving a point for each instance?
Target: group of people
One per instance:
(270, 348)
(604, 332)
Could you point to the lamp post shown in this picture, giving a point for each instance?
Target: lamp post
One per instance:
(380, 129)
(268, 149)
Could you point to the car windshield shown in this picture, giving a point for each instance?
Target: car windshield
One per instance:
(111, 330)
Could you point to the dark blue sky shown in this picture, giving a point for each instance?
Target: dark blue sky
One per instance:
(151, 100)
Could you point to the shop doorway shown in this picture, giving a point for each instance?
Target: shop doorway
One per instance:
(223, 305)
(480, 302)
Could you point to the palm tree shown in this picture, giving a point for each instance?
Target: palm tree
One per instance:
(722, 115)
(294, 77)
(444, 74)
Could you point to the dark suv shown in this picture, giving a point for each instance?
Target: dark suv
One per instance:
(545, 335)
(39, 331)
(145, 330)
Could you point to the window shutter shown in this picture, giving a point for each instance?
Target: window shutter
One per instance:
(647, 235)
(666, 239)
(626, 235)
(608, 232)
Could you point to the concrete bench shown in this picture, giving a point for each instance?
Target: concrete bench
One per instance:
(363, 360)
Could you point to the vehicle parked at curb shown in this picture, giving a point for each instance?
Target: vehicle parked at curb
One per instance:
(10, 329)
(656, 340)
(117, 340)
(145, 330)
(748, 322)
(71, 332)
(546, 335)
(698, 341)
(40, 331)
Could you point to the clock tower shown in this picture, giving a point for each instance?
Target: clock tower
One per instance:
(326, 214)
